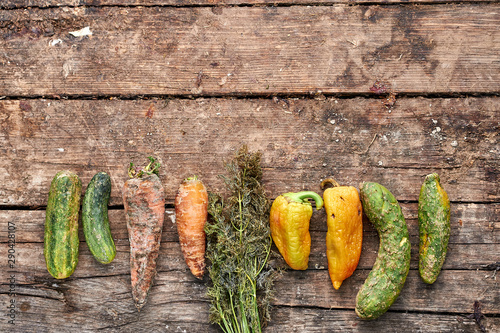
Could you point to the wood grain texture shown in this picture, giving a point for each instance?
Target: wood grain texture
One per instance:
(474, 241)
(178, 298)
(188, 312)
(250, 50)
(302, 142)
(10, 4)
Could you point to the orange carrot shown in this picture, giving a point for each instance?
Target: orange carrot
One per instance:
(144, 201)
(191, 204)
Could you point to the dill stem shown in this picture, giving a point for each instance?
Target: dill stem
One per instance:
(267, 256)
(235, 317)
(243, 315)
(254, 298)
(226, 328)
(241, 216)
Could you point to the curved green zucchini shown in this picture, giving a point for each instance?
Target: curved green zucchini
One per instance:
(95, 218)
(388, 275)
(434, 228)
(61, 224)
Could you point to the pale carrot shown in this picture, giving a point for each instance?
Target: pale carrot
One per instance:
(191, 204)
(144, 201)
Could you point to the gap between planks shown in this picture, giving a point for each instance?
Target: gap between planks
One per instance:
(256, 96)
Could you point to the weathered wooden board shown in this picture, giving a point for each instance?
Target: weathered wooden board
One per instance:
(250, 50)
(66, 311)
(314, 320)
(106, 299)
(31, 263)
(302, 142)
(179, 3)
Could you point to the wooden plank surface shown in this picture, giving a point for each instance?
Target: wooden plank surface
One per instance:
(189, 81)
(302, 141)
(10, 4)
(472, 224)
(187, 315)
(173, 305)
(250, 50)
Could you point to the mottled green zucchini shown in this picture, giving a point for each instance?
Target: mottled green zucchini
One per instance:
(388, 275)
(434, 227)
(95, 218)
(61, 224)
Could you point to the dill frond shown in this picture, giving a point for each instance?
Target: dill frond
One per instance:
(239, 249)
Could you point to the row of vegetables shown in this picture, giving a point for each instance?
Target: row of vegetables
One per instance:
(291, 212)
(237, 239)
(144, 204)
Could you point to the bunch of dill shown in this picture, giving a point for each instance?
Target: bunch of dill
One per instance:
(239, 249)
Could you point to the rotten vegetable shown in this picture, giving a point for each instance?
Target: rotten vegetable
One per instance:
(434, 228)
(95, 218)
(388, 275)
(61, 224)
(144, 201)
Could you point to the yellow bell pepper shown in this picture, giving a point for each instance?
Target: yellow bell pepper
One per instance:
(289, 218)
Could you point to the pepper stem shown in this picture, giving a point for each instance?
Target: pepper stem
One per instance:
(303, 196)
(329, 181)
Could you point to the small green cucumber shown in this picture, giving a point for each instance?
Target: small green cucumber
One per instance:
(434, 228)
(61, 224)
(95, 218)
(388, 275)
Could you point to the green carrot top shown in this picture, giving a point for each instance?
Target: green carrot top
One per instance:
(151, 168)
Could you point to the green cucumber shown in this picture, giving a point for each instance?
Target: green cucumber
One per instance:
(61, 224)
(434, 228)
(388, 275)
(95, 218)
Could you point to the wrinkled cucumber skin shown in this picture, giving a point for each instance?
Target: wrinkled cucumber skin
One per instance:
(95, 218)
(434, 228)
(61, 224)
(388, 275)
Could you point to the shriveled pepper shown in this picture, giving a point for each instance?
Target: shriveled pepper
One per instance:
(289, 218)
(345, 230)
